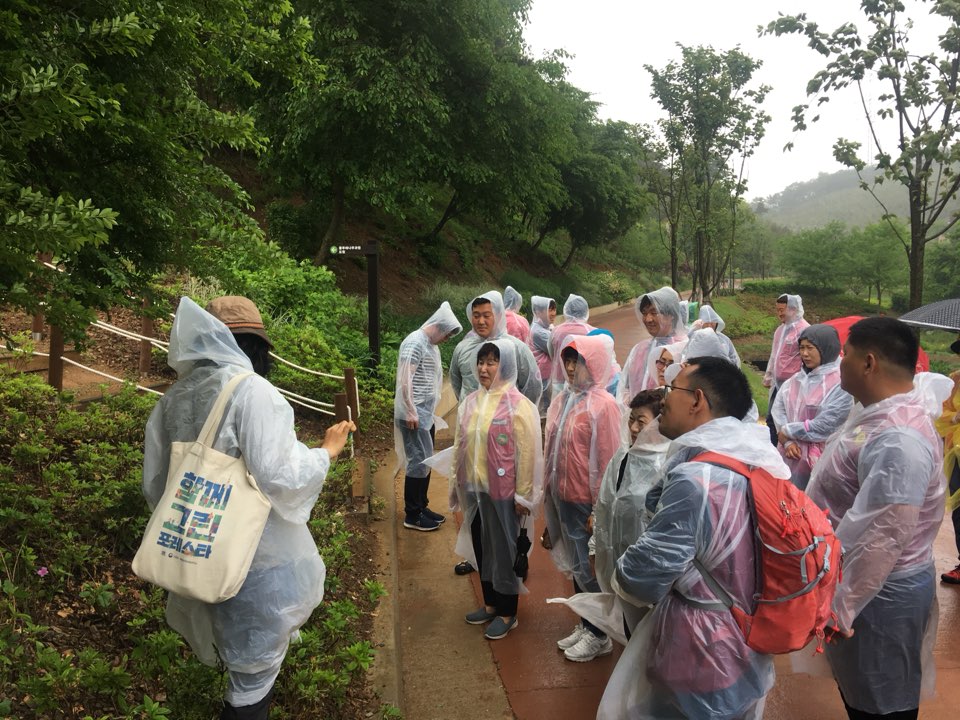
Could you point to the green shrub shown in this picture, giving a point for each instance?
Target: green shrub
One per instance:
(292, 227)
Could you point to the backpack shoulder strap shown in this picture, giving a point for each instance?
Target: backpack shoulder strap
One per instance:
(623, 467)
(741, 468)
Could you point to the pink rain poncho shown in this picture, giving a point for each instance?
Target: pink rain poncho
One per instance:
(811, 405)
(463, 375)
(576, 312)
(637, 373)
(582, 434)
(880, 478)
(784, 360)
(497, 461)
(418, 388)
(688, 658)
(517, 324)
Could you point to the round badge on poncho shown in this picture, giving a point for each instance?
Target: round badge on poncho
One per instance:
(501, 472)
(502, 439)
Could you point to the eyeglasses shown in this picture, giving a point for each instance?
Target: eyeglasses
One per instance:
(670, 388)
(661, 363)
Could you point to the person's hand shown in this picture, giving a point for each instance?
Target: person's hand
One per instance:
(783, 437)
(792, 451)
(545, 539)
(413, 424)
(521, 510)
(590, 523)
(335, 438)
(767, 382)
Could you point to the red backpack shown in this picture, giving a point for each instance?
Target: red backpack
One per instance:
(798, 566)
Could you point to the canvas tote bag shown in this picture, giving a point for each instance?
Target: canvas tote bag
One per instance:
(202, 536)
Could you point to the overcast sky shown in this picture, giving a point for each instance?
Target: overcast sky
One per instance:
(612, 40)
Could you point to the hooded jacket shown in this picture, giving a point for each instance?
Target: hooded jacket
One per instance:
(576, 312)
(784, 360)
(517, 324)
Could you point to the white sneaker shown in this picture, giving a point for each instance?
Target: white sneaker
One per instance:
(570, 640)
(588, 647)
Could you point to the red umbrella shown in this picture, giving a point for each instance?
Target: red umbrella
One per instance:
(842, 326)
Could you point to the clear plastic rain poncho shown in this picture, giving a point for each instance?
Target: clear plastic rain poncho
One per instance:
(419, 385)
(576, 312)
(582, 434)
(880, 479)
(463, 376)
(620, 514)
(517, 324)
(682, 660)
(811, 405)
(675, 350)
(784, 360)
(251, 631)
(709, 315)
(706, 343)
(497, 462)
(541, 331)
(636, 374)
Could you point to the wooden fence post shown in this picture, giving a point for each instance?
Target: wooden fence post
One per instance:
(55, 366)
(340, 407)
(38, 323)
(146, 349)
(350, 384)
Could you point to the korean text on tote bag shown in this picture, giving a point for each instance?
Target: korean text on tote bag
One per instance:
(202, 536)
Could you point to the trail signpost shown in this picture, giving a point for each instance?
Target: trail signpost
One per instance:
(372, 251)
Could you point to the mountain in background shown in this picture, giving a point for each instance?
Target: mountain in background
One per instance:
(833, 196)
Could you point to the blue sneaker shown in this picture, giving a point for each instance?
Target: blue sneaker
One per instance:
(499, 629)
(479, 617)
(436, 517)
(420, 522)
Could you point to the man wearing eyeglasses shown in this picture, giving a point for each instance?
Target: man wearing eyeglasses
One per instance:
(692, 659)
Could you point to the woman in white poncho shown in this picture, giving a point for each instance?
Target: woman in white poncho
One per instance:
(419, 384)
(497, 481)
(710, 319)
(250, 632)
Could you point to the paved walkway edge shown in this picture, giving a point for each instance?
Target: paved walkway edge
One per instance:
(385, 673)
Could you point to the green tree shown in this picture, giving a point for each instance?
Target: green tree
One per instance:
(817, 256)
(715, 123)
(604, 196)
(107, 124)
(875, 257)
(920, 101)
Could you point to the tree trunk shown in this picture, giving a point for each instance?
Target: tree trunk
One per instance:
(447, 214)
(879, 296)
(917, 243)
(573, 249)
(335, 226)
(544, 231)
(674, 258)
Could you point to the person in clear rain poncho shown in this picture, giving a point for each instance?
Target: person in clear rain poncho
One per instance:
(784, 360)
(811, 405)
(419, 384)
(576, 312)
(881, 481)
(517, 324)
(948, 425)
(582, 434)
(541, 331)
(706, 343)
(620, 514)
(251, 631)
(488, 319)
(659, 312)
(687, 658)
(497, 481)
(709, 318)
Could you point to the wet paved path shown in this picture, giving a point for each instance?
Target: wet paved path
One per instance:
(535, 681)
